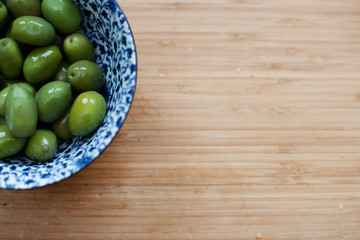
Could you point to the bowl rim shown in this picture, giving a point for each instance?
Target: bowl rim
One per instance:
(49, 183)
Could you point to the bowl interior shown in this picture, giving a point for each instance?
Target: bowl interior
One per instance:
(106, 26)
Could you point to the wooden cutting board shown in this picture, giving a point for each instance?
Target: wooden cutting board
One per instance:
(245, 125)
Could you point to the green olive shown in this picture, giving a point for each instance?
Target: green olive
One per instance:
(3, 95)
(62, 14)
(11, 58)
(85, 75)
(33, 30)
(20, 8)
(21, 112)
(3, 14)
(30, 88)
(42, 145)
(61, 127)
(52, 100)
(87, 113)
(5, 91)
(9, 144)
(25, 113)
(61, 74)
(78, 47)
(41, 64)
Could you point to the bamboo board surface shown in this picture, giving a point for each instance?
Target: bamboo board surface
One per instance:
(245, 125)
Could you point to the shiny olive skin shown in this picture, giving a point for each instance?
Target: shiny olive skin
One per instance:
(9, 144)
(42, 145)
(61, 74)
(78, 47)
(5, 91)
(87, 113)
(33, 30)
(85, 75)
(52, 100)
(30, 88)
(11, 58)
(3, 95)
(21, 112)
(62, 14)
(62, 128)
(20, 8)
(24, 47)
(41, 64)
(3, 14)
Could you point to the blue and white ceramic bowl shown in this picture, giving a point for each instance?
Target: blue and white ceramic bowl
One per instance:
(106, 26)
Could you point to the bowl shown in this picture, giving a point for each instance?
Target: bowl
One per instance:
(106, 26)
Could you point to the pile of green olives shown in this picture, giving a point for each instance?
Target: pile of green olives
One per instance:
(49, 83)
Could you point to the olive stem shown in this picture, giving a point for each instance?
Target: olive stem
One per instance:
(45, 148)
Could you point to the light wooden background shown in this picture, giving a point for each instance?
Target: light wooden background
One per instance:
(245, 125)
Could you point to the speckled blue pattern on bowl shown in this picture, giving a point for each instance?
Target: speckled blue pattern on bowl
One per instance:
(106, 26)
